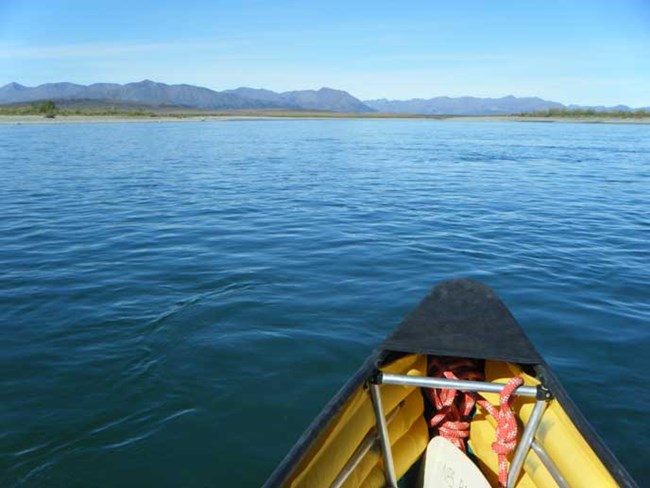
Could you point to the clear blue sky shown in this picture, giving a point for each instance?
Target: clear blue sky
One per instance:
(587, 52)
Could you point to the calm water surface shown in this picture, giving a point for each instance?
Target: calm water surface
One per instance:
(177, 301)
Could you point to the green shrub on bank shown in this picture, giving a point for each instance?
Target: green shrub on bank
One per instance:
(48, 107)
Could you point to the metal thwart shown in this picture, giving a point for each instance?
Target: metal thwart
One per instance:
(448, 384)
(368, 442)
(524, 446)
(384, 440)
(549, 464)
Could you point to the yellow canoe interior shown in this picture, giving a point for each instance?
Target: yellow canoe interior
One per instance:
(409, 437)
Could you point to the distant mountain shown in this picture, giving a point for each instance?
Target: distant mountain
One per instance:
(480, 106)
(464, 105)
(20, 93)
(323, 99)
(256, 94)
(327, 99)
(602, 108)
(11, 89)
(149, 93)
(160, 94)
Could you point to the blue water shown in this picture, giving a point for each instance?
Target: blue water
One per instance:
(177, 301)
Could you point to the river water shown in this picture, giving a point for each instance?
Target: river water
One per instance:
(179, 300)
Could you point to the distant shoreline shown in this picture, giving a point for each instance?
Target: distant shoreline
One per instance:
(264, 115)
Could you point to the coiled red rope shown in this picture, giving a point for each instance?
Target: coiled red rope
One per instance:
(453, 408)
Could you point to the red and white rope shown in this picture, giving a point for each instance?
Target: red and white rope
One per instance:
(453, 409)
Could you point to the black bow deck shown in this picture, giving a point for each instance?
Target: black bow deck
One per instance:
(466, 319)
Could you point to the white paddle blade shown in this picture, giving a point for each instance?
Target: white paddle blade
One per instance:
(446, 466)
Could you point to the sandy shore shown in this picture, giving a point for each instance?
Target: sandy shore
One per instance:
(105, 119)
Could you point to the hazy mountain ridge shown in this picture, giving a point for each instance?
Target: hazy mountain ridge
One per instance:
(323, 99)
(146, 91)
(153, 93)
(156, 94)
(478, 106)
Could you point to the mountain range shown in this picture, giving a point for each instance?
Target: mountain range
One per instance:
(149, 93)
(480, 106)
(464, 105)
(187, 96)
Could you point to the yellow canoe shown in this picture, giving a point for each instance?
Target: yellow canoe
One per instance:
(376, 430)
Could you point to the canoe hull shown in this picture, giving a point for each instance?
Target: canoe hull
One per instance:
(452, 309)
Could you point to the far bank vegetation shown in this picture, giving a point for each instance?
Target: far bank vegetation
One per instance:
(588, 113)
(50, 109)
